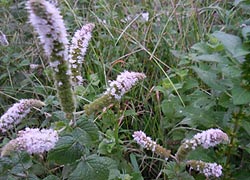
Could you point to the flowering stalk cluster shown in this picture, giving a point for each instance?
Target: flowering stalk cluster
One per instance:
(48, 23)
(78, 50)
(33, 141)
(208, 169)
(17, 112)
(146, 142)
(206, 139)
(123, 83)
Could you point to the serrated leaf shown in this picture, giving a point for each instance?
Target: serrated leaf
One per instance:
(240, 95)
(83, 137)
(201, 47)
(209, 58)
(232, 43)
(246, 126)
(209, 78)
(93, 167)
(246, 32)
(176, 172)
(89, 128)
(67, 150)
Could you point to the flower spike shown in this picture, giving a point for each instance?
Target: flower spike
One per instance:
(123, 83)
(206, 139)
(146, 142)
(48, 23)
(208, 169)
(34, 141)
(17, 112)
(78, 50)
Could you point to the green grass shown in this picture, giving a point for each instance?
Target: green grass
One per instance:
(174, 101)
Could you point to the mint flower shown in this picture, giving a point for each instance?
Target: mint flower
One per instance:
(33, 141)
(78, 50)
(48, 23)
(146, 142)
(208, 169)
(211, 138)
(123, 83)
(17, 112)
(206, 139)
(143, 140)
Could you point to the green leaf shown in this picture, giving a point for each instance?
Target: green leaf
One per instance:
(89, 127)
(232, 43)
(246, 126)
(86, 132)
(108, 144)
(93, 167)
(176, 172)
(246, 32)
(210, 78)
(209, 58)
(240, 95)
(67, 150)
(201, 47)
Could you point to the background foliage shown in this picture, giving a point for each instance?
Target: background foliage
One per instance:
(196, 58)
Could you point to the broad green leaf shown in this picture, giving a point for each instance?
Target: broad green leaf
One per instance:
(210, 78)
(93, 167)
(176, 172)
(67, 150)
(38, 169)
(25, 162)
(246, 126)
(108, 144)
(240, 95)
(171, 107)
(86, 133)
(232, 43)
(209, 58)
(5, 165)
(201, 47)
(246, 32)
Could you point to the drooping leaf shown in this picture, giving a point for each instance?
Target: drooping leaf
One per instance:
(201, 47)
(67, 150)
(246, 126)
(93, 167)
(88, 128)
(210, 78)
(240, 95)
(246, 32)
(176, 172)
(209, 58)
(232, 43)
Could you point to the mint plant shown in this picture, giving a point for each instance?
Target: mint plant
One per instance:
(65, 114)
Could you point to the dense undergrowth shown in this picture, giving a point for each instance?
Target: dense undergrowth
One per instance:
(195, 55)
